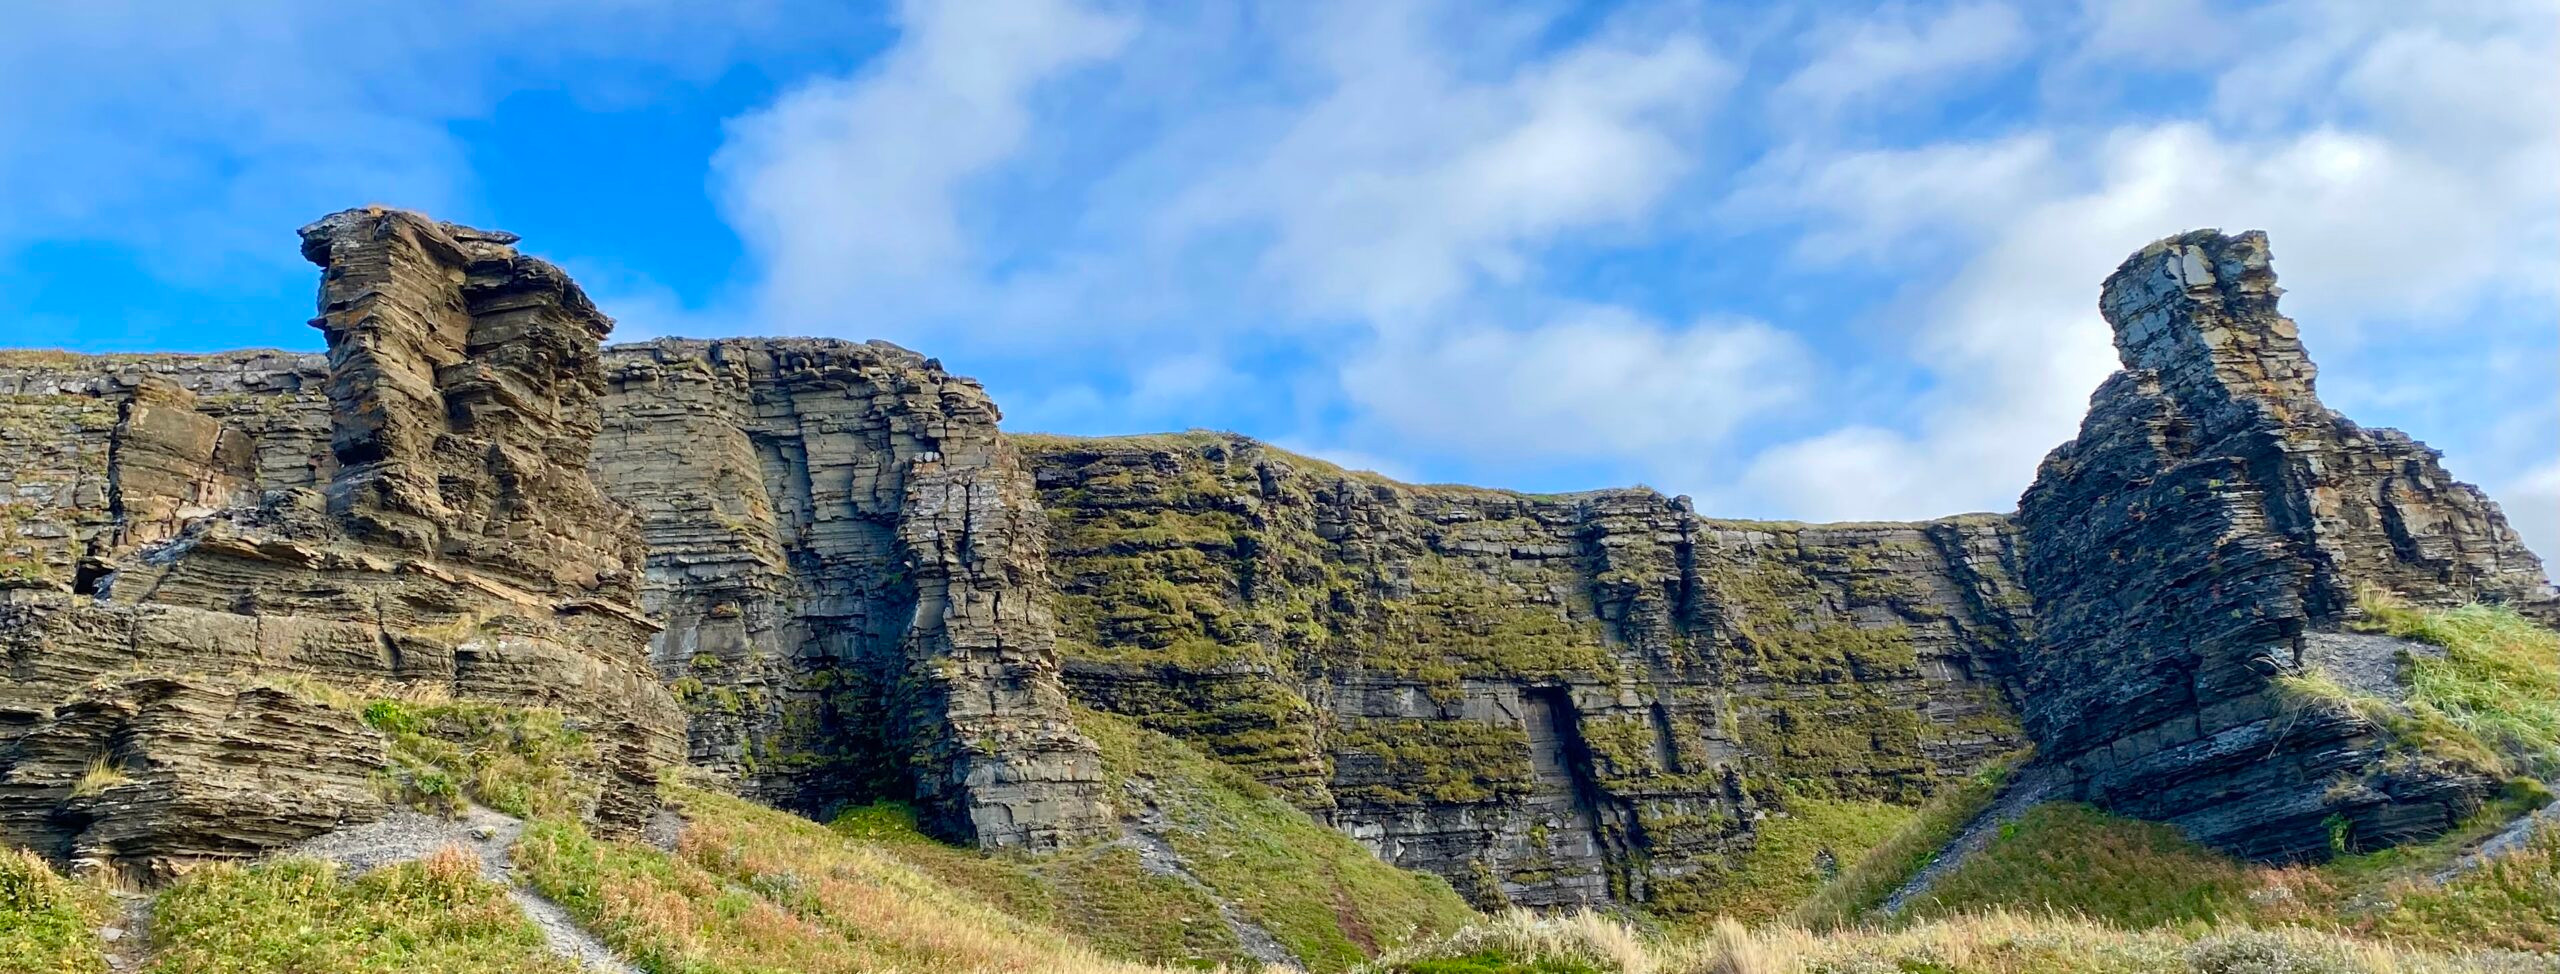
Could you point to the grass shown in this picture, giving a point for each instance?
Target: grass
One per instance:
(751, 889)
(526, 763)
(2498, 682)
(103, 773)
(1325, 897)
(300, 915)
(1988, 943)
(47, 922)
(1787, 860)
(2076, 861)
(1102, 892)
(1864, 884)
(2075, 858)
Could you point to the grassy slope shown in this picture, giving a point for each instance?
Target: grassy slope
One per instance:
(1988, 943)
(1324, 896)
(1865, 883)
(1101, 892)
(750, 888)
(298, 915)
(47, 923)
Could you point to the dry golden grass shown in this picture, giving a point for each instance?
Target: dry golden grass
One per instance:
(754, 889)
(1995, 942)
(104, 772)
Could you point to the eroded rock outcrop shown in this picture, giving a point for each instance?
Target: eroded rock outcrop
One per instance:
(256, 535)
(850, 562)
(2199, 540)
(817, 570)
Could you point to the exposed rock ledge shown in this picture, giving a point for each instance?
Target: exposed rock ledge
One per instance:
(819, 571)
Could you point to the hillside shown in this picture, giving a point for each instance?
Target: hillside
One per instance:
(758, 654)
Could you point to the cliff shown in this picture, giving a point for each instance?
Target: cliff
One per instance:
(819, 572)
(849, 563)
(1578, 698)
(2208, 535)
(208, 550)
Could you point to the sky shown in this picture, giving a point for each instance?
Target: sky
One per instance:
(1807, 260)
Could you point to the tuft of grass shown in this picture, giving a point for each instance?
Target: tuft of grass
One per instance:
(47, 922)
(2074, 858)
(1865, 883)
(525, 762)
(2497, 684)
(104, 772)
(300, 915)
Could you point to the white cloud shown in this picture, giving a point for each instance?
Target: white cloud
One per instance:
(846, 187)
(1898, 54)
(2372, 218)
(2532, 506)
(1411, 179)
(1597, 384)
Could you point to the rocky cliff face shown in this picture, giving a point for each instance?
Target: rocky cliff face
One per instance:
(849, 562)
(817, 570)
(1548, 699)
(204, 550)
(2207, 534)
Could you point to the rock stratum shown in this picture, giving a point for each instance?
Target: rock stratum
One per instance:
(819, 572)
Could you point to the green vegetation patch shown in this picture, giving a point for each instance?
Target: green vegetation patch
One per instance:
(524, 762)
(1102, 892)
(1433, 761)
(300, 915)
(1791, 855)
(751, 889)
(1867, 881)
(47, 922)
(2076, 859)
(1330, 901)
(1464, 620)
(2495, 689)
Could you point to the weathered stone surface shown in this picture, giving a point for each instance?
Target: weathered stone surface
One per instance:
(413, 510)
(1551, 699)
(843, 583)
(2190, 547)
(159, 770)
(851, 567)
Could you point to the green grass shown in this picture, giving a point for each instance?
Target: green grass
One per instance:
(524, 762)
(2497, 684)
(2076, 859)
(47, 922)
(1102, 892)
(301, 916)
(2512, 902)
(1784, 865)
(1325, 897)
(1866, 882)
(751, 889)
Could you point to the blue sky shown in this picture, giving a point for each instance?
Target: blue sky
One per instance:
(1810, 260)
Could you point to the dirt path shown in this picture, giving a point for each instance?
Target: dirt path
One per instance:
(407, 836)
(2027, 788)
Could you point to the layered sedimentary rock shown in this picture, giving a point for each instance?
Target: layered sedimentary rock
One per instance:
(817, 570)
(2203, 538)
(254, 534)
(849, 561)
(1549, 699)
